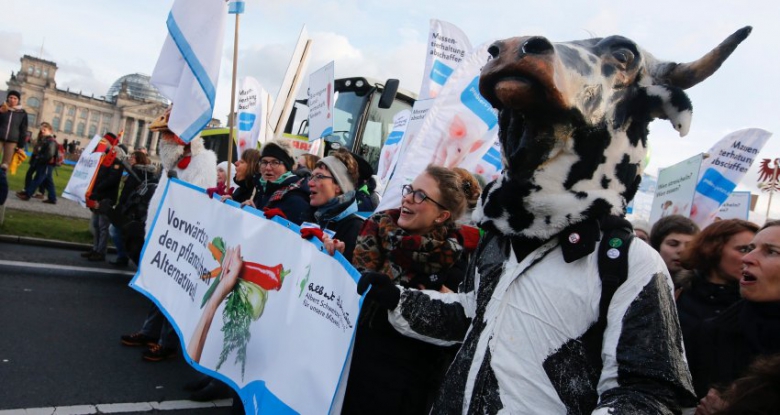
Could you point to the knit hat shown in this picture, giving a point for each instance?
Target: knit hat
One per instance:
(280, 152)
(14, 93)
(222, 166)
(339, 172)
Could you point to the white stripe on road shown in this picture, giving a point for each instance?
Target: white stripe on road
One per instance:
(64, 267)
(119, 408)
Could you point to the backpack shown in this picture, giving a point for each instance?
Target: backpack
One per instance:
(58, 158)
(136, 206)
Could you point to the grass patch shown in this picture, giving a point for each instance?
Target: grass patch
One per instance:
(61, 176)
(46, 226)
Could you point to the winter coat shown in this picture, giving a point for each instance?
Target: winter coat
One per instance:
(13, 126)
(342, 220)
(391, 373)
(699, 301)
(46, 152)
(144, 172)
(291, 196)
(243, 190)
(107, 182)
(728, 343)
(524, 310)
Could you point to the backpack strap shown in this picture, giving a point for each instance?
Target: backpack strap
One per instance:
(613, 267)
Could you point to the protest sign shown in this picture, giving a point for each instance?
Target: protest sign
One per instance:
(737, 206)
(83, 173)
(253, 303)
(408, 159)
(729, 159)
(321, 101)
(393, 143)
(251, 107)
(674, 189)
(458, 130)
(447, 47)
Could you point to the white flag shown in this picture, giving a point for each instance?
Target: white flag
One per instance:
(447, 47)
(187, 70)
(252, 101)
(729, 160)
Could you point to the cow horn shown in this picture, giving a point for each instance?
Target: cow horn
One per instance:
(686, 75)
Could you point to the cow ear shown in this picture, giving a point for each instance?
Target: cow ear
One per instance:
(670, 103)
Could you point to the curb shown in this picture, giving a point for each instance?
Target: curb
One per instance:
(50, 243)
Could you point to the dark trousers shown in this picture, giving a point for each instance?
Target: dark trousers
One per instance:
(43, 175)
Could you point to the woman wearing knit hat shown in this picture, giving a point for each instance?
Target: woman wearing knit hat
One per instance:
(332, 185)
(13, 126)
(278, 188)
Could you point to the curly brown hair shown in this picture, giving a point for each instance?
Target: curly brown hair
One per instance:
(470, 186)
(703, 253)
(311, 160)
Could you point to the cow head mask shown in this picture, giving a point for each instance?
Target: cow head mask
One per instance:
(573, 120)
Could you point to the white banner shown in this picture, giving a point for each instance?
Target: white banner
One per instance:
(490, 164)
(321, 100)
(83, 173)
(253, 303)
(252, 101)
(737, 206)
(394, 142)
(674, 189)
(187, 71)
(729, 160)
(409, 158)
(447, 47)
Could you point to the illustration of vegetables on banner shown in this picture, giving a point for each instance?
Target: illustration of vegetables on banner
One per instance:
(245, 302)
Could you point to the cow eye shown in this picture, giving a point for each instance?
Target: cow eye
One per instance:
(623, 55)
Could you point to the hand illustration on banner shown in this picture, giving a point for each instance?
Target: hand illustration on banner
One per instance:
(244, 286)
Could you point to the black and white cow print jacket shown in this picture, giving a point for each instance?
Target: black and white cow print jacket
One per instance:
(522, 320)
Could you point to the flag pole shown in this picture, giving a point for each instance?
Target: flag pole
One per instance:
(232, 117)
(772, 187)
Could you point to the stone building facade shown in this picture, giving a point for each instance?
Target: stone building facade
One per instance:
(130, 105)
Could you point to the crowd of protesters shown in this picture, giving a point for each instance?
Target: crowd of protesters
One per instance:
(726, 276)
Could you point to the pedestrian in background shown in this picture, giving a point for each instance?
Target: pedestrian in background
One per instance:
(43, 166)
(13, 129)
(669, 236)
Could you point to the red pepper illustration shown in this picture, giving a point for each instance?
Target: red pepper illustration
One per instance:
(269, 278)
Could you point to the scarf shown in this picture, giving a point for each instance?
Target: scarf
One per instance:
(336, 209)
(263, 182)
(384, 247)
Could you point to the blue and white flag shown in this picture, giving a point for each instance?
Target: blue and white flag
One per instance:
(187, 70)
(236, 6)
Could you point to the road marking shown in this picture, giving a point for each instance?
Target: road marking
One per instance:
(64, 267)
(119, 408)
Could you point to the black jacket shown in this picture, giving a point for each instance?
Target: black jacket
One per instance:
(243, 190)
(13, 126)
(294, 200)
(144, 172)
(107, 182)
(727, 344)
(700, 301)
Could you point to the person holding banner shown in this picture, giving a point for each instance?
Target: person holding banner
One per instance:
(247, 167)
(332, 186)
(414, 246)
(278, 188)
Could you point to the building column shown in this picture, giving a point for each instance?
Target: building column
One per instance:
(152, 150)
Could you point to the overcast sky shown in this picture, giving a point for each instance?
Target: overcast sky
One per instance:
(96, 42)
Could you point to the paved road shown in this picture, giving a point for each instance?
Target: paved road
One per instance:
(60, 322)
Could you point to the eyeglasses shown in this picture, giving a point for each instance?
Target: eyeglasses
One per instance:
(319, 176)
(272, 163)
(418, 196)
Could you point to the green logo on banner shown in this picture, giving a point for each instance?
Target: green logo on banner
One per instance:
(615, 242)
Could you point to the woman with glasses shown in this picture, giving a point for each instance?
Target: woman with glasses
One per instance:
(276, 187)
(413, 246)
(332, 193)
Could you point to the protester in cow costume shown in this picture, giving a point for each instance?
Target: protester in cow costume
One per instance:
(573, 121)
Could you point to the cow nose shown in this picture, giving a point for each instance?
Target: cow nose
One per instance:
(537, 45)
